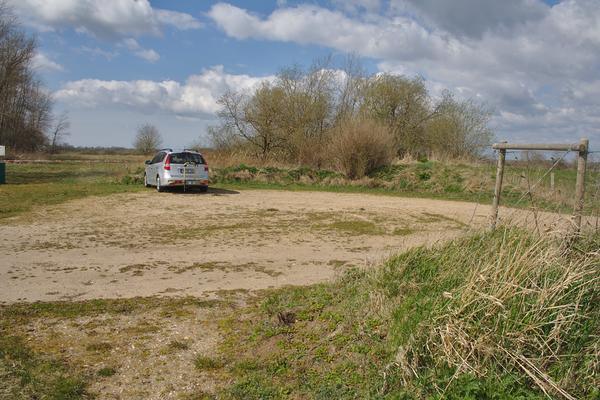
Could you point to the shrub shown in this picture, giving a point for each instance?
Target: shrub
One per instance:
(361, 146)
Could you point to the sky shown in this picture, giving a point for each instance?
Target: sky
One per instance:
(116, 64)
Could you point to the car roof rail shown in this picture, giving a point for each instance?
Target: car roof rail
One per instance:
(166, 149)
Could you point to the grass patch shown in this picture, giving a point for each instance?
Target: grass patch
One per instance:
(203, 363)
(15, 200)
(432, 218)
(27, 375)
(32, 185)
(192, 233)
(99, 347)
(23, 312)
(498, 315)
(178, 345)
(107, 372)
(356, 227)
(32, 349)
(405, 231)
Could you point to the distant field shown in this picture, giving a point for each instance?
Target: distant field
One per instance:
(64, 177)
(31, 185)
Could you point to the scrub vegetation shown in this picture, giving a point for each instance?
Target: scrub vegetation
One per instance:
(343, 118)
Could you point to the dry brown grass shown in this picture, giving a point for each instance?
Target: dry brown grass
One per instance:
(529, 306)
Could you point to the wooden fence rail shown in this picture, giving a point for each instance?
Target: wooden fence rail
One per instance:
(582, 148)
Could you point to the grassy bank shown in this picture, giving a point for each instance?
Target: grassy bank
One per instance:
(495, 316)
(451, 181)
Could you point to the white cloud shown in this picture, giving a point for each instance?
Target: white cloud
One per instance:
(42, 62)
(147, 54)
(473, 17)
(355, 6)
(106, 18)
(307, 24)
(530, 61)
(98, 52)
(177, 19)
(196, 97)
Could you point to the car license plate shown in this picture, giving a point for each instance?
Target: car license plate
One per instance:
(186, 170)
(190, 182)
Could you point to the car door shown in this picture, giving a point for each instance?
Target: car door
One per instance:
(153, 168)
(148, 171)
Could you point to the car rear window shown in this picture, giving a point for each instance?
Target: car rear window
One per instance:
(182, 158)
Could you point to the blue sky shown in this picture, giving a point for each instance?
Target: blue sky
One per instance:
(116, 64)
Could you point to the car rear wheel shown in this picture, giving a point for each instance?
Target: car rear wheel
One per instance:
(159, 188)
(204, 189)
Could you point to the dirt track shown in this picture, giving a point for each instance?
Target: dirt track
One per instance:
(202, 244)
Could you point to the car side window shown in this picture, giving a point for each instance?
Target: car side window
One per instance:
(158, 158)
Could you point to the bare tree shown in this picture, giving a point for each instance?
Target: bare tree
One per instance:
(148, 139)
(460, 129)
(60, 130)
(25, 105)
(299, 115)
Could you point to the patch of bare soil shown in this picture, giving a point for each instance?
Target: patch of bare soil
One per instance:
(175, 244)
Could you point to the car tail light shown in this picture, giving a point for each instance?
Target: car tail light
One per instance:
(167, 166)
(206, 167)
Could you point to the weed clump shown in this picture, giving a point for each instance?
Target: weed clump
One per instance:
(202, 363)
(106, 372)
(360, 147)
(523, 308)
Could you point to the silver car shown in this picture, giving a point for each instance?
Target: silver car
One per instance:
(168, 168)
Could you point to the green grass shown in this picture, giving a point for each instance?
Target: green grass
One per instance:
(106, 372)
(204, 363)
(32, 185)
(356, 227)
(99, 347)
(41, 373)
(405, 329)
(18, 313)
(177, 345)
(27, 375)
(404, 231)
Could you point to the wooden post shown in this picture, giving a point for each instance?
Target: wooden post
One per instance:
(552, 181)
(498, 190)
(580, 184)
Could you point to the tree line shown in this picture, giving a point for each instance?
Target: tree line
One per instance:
(346, 118)
(26, 119)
